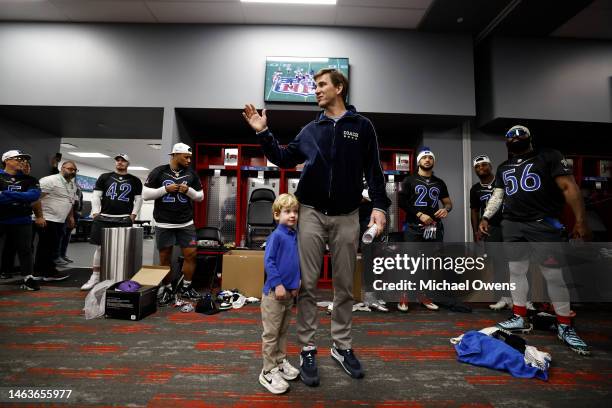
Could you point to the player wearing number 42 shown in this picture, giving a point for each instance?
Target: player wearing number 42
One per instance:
(115, 202)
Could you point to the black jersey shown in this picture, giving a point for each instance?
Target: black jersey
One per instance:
(173, 208)
(530, 190)
(13, 207)
(479, 197)
(118, 192)
(421, 194)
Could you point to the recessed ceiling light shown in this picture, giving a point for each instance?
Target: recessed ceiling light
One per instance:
(89, 155)
(68, 145)
(137, 168)
(319, 2)
(156, 146)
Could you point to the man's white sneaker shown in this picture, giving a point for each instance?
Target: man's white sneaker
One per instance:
(503, 303)
(93, 280)
(273, 381)
(287, 371)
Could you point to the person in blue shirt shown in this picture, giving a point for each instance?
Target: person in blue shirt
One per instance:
(282, 265)
(17, 193)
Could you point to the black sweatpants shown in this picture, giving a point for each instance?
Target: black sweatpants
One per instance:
(19, 237)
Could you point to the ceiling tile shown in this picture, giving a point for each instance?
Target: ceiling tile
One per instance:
(105, 10)
(256, 13)
(227, 12)
(379, 17)
(20, 10)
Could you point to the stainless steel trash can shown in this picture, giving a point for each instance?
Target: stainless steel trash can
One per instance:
(121, 254)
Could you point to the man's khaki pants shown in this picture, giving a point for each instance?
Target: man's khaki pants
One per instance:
(342, 234)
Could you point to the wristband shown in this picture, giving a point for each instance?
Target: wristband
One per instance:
(448, 209)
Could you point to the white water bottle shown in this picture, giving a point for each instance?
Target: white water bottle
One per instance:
(370, 234)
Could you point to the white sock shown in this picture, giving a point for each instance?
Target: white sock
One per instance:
(557, 290)
(186, 283)
(309, 348)
(518, 276)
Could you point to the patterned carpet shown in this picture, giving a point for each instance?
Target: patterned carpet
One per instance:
(174, 359)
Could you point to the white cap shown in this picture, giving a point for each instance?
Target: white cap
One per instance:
(123, 156)
(425, 152)
(14, 153)
(481, 158)
(516, 129)
(180, 148)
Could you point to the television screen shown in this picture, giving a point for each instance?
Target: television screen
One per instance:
(290, 79)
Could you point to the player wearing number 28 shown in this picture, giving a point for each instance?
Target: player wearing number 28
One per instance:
(173, 186)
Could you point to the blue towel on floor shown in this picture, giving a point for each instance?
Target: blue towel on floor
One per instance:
(482, 350)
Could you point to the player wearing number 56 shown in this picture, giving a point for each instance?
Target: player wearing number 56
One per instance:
(173, 186)
(115, 203)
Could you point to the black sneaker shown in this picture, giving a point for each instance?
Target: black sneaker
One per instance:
(30, 284)
(309, 373)
(189, 292)
(164, 298)
(348, 361)
(58, 276)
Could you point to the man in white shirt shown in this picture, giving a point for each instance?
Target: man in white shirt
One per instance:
(59, 193)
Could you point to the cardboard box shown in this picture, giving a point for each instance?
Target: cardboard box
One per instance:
(243, 270)
(139, 304)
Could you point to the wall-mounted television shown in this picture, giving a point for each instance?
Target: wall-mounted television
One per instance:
(290, 79)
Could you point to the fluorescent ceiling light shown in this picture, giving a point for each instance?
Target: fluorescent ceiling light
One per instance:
(313, 2)
(137, 168)
(156, 146)
(297, 59)
(89, 155)
(68, 145)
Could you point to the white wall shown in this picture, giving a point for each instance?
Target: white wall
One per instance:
(208, 66)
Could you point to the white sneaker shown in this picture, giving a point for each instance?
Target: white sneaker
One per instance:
(529, 305)
(381, 307)
(402, 307)
(361, 307)
(287, 371)
(502, 303)
(93, 280)
(238, 303)
(273, 381)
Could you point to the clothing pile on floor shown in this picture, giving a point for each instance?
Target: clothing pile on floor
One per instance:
(225, 300)
(499, 349)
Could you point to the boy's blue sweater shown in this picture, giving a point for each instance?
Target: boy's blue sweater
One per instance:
(281, 260)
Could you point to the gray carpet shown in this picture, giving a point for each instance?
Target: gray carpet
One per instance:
(174, 359)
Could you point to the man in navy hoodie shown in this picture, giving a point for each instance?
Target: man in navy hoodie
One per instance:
(338, 148)
(17, 193)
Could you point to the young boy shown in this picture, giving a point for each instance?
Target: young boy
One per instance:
(282, 264)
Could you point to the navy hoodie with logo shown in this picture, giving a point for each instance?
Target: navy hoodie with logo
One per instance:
(336, 156)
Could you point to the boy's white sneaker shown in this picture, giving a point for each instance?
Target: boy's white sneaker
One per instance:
(273, 381)
(287, 371)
